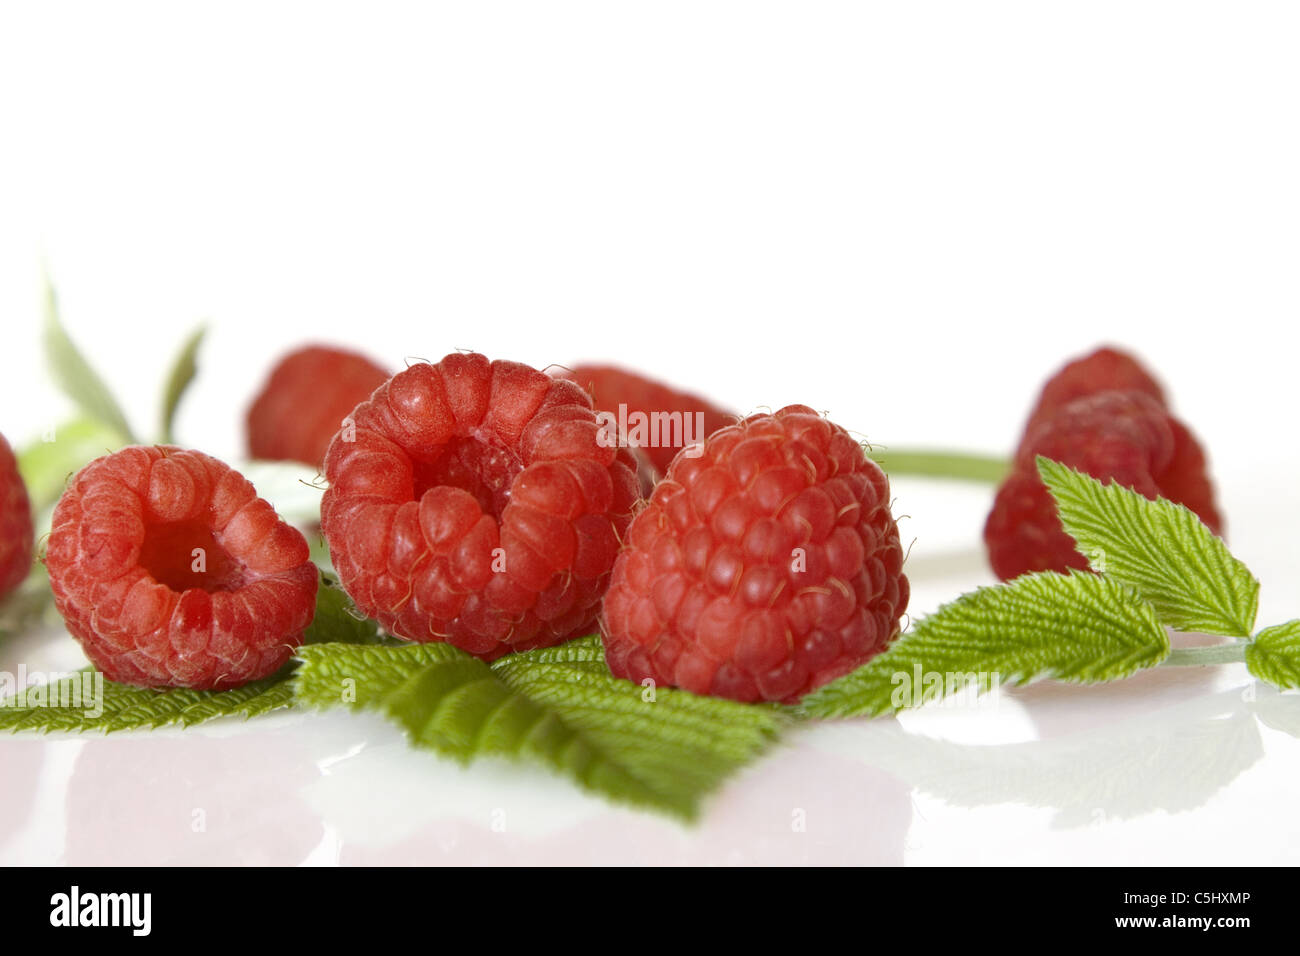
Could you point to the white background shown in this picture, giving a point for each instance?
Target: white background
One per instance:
(904, 214)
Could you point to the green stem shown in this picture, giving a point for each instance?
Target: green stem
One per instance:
(941, 464)
(1204, 656)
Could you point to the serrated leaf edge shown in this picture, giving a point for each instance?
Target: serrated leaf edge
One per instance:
(1078, 495)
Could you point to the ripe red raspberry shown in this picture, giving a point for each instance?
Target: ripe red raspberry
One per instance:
(171, 572)
(659, 404)
(305, 400)
(1105, 370)
(1186, 478)
(762, 569)
(477, 503)
(15, 523)
(1124, 437)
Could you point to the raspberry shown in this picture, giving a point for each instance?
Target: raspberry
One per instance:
(1186, 478)
(1105, 370)
(640, 396)
(761, 569)
(171, 572)
(477, 503)
(15, 523)
(305, 400)
(1116, 436)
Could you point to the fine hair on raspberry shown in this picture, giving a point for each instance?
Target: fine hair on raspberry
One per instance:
(762, 568)
(171, 571)
(475, 502)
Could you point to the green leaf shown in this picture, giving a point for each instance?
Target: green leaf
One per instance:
(76, 378)
(1160, 549)
(1073, 627)
(47, 465)
(337, 620)
(71, 703)
(664, 749)
(104, 705)
(183, 370)
(318, 550)
(29, 605)
(1274, 655)
(294, 490)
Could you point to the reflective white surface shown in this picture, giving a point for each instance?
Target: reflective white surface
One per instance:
(1173, 766)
